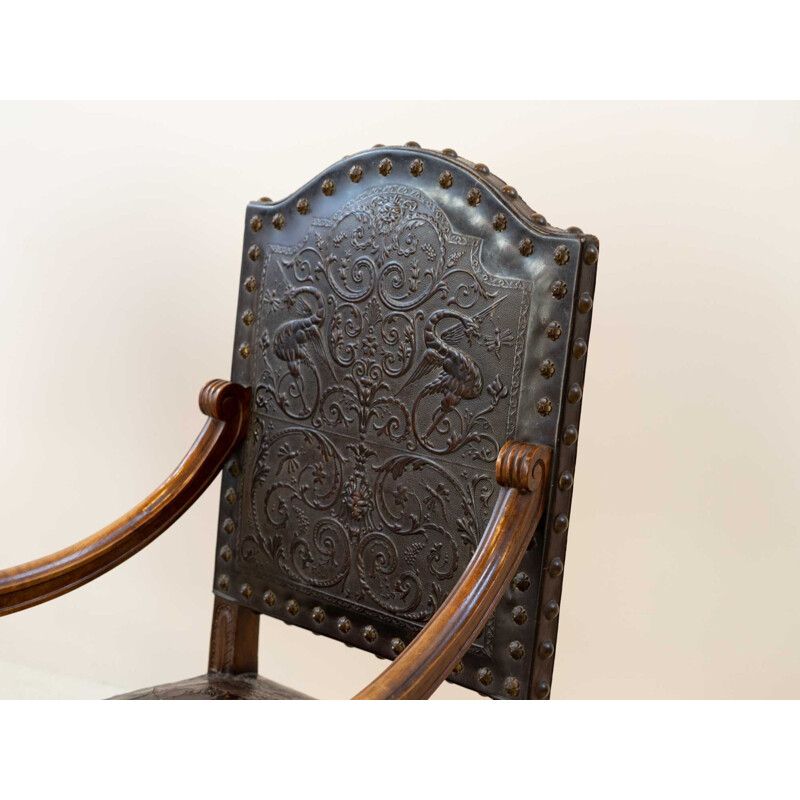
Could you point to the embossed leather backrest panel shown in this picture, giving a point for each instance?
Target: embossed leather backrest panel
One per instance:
(400, 318)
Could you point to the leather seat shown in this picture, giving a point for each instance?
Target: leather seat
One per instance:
(217, 686)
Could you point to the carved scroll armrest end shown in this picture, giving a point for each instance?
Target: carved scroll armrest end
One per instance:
(523, 466)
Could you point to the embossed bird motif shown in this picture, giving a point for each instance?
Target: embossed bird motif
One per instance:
(293, 338)
(459, 377)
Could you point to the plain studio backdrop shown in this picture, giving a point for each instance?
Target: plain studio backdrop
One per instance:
(120, 242)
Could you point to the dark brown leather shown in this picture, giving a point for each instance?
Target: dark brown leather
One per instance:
(217, 686)
(401, 317)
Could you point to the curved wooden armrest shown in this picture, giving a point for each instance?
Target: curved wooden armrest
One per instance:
(227, 405)
(522, 471)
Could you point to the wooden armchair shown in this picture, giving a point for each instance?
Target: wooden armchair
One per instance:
(397, 442)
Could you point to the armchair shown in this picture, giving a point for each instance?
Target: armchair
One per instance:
(398, 438)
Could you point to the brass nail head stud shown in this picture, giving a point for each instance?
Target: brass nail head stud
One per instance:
(574, 394)
(522, 581)
(369, 633)
(553, 331)
(561, 255)
(516, 650)
(590, 255)
(500, 222)
(547, 368)
(551, 610)
(485, 676)
(544, 406)
(556, 567)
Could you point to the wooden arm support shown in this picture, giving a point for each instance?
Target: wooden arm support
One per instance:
(522, 470)
(227, 405)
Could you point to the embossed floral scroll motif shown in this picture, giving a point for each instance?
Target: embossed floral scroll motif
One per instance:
(386, 376)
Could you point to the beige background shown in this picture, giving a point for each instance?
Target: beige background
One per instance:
(120, 235)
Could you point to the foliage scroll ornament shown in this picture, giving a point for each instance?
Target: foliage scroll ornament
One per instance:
(385, 379)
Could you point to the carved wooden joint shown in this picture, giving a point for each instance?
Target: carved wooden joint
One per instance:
(227, 405)
(522, 466)
(522, 470)
(225, 401)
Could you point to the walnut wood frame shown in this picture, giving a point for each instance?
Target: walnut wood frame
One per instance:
(227, 405)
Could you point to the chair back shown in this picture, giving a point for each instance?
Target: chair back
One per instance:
(400, 317)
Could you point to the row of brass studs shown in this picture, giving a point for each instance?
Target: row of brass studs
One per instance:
(228, 525)
(555, 569)
(416, 168)
(521, 582)
(559, 290)
(292, 607)
(526, 245)
(254, 253)
(474, 196)
(370, 634)
(445, 181)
